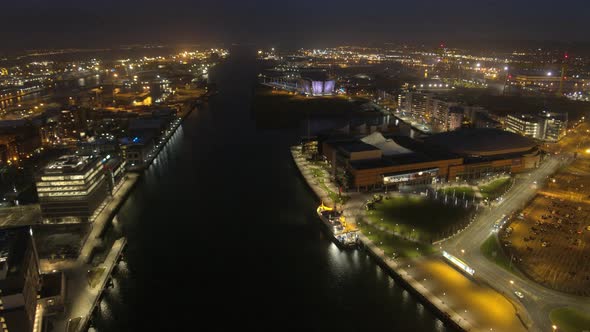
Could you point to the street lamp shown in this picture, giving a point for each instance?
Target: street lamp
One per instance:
(554, 327)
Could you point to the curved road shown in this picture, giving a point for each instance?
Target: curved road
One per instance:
(538, 300)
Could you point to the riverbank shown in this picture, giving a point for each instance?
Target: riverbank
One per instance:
(82, 295)
(163, 141)
(460, 301)
(392, 268)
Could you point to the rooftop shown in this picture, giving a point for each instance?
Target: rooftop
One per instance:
(357, 146)
(481, 142)
(387, 145)
(68, 164)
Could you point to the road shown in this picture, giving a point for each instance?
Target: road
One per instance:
(538, 300)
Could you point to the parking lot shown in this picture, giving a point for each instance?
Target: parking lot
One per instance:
(550, 240)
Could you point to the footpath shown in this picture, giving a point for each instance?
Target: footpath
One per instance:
(82, 295)
(392, 267)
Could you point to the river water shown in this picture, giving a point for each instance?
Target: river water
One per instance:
(222, 234)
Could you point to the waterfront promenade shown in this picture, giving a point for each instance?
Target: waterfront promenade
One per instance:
(85, 280)
(80, 295)
(457, 299)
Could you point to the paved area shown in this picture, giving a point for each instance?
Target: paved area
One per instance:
(492, 282)
(22, 215)
(551, 244)
(106, 216)
(353, 208)
(475, 302)
(537, 300)
(317, 177)
(80, 296)
(83, 296)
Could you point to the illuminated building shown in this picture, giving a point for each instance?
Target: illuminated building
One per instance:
(376, 161)
(138, 149)
(455, 118)
(19, 279)
(554, 125)
(525, 125)
(317, 84)
(72, 188)
(486, 151)
(546, 126)
(415, 104)
(380, 162)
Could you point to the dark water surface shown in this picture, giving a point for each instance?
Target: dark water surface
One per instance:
(222, 234)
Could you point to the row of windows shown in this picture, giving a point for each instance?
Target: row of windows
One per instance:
(72, 193)
(59, 183)
(71, 177)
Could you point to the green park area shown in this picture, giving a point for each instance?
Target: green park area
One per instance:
(570, 320)
(496, 188)
(418, 218)
(394, 246)
(320, 176)
(491, 250)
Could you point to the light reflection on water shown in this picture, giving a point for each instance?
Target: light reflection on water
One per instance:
(290, 266)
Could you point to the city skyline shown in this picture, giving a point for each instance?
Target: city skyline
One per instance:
(370, 166)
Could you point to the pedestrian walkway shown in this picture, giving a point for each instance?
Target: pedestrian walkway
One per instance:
(418, 287)
(84, 297)
(80, 296)
(317, 184)
(105, 217)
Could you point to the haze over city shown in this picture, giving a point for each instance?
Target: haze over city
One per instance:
(68, 23)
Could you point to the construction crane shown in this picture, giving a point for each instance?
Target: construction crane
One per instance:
(562, 78)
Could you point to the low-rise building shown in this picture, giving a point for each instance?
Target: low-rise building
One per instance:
(385, 162)
(523, 124)
(546, 126)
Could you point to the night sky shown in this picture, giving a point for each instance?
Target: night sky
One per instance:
(83, 23)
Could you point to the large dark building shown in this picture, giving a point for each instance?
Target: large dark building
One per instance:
(19, 280)
(72, 188)
(376, 161)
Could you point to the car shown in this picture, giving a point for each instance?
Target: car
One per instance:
(519, 294)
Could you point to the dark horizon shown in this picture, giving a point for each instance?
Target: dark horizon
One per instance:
(33, 24)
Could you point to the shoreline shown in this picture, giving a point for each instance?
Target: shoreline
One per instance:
(84, 299)
(435, 304)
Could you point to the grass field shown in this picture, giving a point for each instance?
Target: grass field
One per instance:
(491, 249)
(417, 217)
(570, 320)
(319, 174)
(495, 188)
(392, 244)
